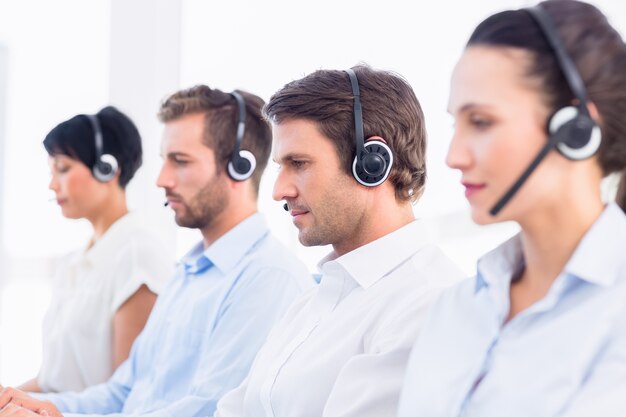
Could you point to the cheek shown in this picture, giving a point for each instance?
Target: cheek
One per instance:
(317, 187)
(80, 181)
(340, 192)
(81, 186)
(189, 181)
(508, 152)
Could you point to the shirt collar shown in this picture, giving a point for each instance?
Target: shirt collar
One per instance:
(110, 241)
(600, 256)
(369, 263)
(226, 252)
(498, 265)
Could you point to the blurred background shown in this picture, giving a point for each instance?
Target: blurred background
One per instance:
(61, 58)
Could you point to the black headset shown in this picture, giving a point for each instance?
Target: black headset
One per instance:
(373, 159)
(106, 165)
(570, 129)
(242, 162)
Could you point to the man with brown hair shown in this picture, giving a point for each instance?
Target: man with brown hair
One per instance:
(351, 149)
(228, 291)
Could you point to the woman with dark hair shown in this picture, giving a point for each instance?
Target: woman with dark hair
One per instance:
(102, 295)
(539, 102)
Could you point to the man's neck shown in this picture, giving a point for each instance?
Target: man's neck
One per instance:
(381, 224)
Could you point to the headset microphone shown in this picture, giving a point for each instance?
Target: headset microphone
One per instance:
(552, 143)
(167, 203)
(286, 207)
(571, 130)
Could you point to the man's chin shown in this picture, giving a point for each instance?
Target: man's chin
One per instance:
(183, 221)
(308, 240)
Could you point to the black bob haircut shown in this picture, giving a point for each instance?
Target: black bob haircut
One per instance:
(75, 138)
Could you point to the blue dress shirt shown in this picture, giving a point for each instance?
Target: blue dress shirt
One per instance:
(563, 356)
(204, 331)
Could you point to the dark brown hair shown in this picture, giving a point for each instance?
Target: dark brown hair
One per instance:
(390, 110)
(598, 52)
(221, 118)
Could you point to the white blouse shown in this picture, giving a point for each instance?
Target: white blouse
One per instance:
(88, 288)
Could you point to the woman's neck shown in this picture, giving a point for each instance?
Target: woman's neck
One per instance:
(115, 209)
(549, 240)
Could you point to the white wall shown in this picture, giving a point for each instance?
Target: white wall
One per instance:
(4, 64)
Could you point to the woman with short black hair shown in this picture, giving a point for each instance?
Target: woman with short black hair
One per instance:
(102, 295)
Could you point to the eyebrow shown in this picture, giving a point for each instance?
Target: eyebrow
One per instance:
(291, 157)
(177, 154)
(469, 106)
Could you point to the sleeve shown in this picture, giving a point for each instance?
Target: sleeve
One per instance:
(105, 398)
(369, 384)
(144, 261)
(603, 392)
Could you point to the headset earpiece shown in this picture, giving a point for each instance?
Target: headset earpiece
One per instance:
(375, 164)
(580, 136)
(242, 163)
(571, 130)
(373, 160)
(105, 168)
(106, 165)
(241, 167)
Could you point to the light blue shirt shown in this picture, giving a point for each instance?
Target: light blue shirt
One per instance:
(204, 331)
(563, 356)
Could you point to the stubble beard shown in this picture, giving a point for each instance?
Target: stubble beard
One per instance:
(204, 207)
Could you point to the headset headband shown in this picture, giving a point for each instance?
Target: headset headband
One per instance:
(95, 125)
(241, 123)
(568, 68)
(358, 113)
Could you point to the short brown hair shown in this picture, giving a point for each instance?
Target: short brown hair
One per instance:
(390, 110)
(220, 130)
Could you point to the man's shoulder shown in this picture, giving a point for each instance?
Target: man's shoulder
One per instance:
(428, 269)
(270, 257)
(272, 252)
(431, 264)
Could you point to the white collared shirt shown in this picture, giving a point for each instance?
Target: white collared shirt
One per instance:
(342, 348)
(89, 287)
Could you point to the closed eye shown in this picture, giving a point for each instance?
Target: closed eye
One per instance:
(180, 161)
(297, 164)
(480, 122)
